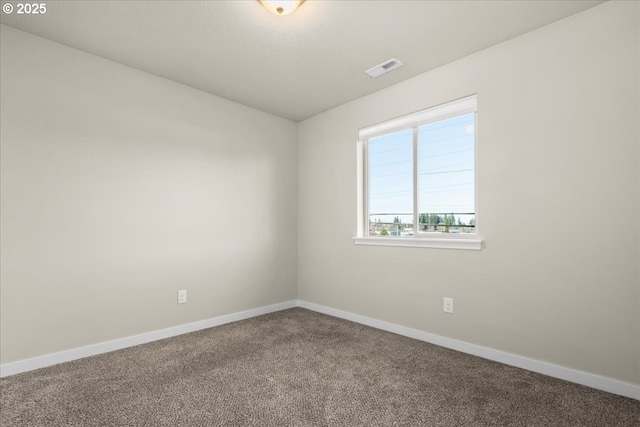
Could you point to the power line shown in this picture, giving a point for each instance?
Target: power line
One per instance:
(448, 166)
(444, 172)
(421, 190)
(391, 174)
(391, 163)
(444, 139)
(445, 154)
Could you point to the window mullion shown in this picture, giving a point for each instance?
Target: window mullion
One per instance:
(415, 182)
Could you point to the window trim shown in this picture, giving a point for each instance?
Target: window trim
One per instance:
(430, 115)
(439, 242)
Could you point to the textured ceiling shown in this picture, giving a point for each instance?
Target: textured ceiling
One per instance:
(293, 66)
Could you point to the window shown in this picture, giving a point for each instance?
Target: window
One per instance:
(418, 179)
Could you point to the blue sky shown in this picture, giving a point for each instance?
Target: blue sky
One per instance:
(445, 170)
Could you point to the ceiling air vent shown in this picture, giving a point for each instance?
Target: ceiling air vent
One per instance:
(385, 67)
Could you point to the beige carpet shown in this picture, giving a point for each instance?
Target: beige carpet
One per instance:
(300, 368)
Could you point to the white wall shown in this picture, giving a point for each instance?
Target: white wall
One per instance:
(120, 188)
(558, 195)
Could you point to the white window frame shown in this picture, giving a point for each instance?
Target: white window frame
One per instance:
(435, 114)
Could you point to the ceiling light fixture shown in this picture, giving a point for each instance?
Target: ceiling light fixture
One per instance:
(281, 7)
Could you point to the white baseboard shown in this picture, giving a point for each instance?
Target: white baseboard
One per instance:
(590, 380)
(117, 344)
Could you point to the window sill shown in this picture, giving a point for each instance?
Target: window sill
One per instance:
(417, 242)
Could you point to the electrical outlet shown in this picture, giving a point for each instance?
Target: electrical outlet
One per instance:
(182, 296)
(447, 305)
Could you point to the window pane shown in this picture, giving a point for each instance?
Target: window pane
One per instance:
(446, 159)
(391, 184)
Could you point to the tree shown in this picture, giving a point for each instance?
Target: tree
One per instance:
(423, 220)
(397, 221)
(448, 221)
(427, 219)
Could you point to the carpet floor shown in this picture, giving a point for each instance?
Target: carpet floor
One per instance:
(300, 368)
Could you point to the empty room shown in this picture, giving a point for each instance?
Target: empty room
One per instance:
(320, 213)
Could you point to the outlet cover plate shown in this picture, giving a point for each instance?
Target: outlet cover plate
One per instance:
(182, 296)
(447, 305)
